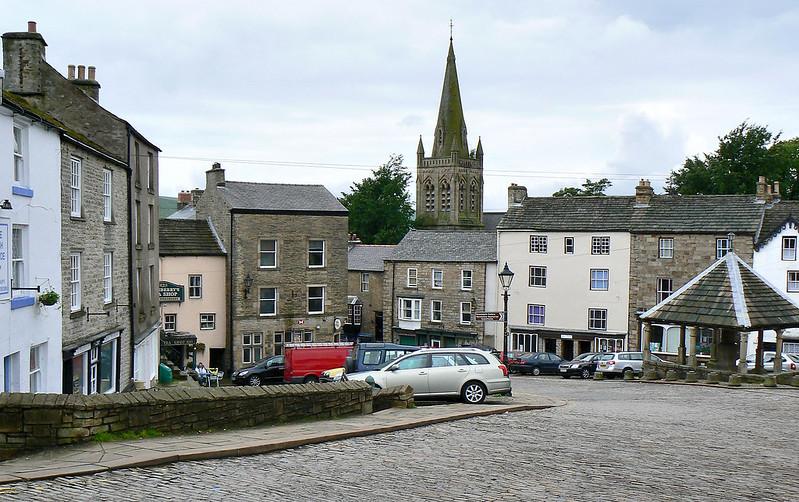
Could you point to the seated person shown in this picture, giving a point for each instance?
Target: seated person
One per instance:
(202, 374)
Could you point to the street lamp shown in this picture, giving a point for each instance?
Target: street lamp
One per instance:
(505, 278)
(247, 284)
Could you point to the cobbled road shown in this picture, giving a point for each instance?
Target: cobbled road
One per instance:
(612, 441)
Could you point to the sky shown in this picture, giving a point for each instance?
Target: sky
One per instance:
(323, 91)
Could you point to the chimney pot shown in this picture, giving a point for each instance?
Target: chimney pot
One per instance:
(31, 26)
(71, 72)
(516, 194)
(81, 72)
(643, 192)
(760, 193)
(92, 73)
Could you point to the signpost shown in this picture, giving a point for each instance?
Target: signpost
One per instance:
(490, 316)
(170, 292)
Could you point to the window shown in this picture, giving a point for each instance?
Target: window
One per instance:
(150, 284)
(598, 319)
(195, 286)
(267, 299)
(138, 287)
(251, 344)
(20, 174)
(438, 278)
(316, 299)
(600, 245)
(108, 282)
(568, 245)
(538, 277)
(429, 196)
(722, 246)
(364, 282)
(207, 321)
(538, 243)
(609, 344)
(137, 222)
(446, 196)
(474, 197)
(461, 196)
(267, 253)
(466, 312)
(435, 310)
(75, 187)
(316, 253)
(108, 359)
(150, 172)
(466, 279)
(354, 314)
(523, 342)
(278, 337)
(411, 281)
(789, 248)
(37, 354)
(136, 154)
(18, 277)
(414, 362)
(170, 322)
(664, 288)
(535, 314)
(151, 224)
(11, 372)
(793, 281)
(410, 309)
(107, 187)
(74, 282)
(600, 278)
(666, 247)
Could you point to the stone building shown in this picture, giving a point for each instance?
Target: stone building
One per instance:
(365, 289)
(287, 262)
(73, 103)
(433, 285)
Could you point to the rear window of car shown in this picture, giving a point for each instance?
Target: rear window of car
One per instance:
(795, 357)
(624, 357)
(475, 358)
(372, 357)
(606, 357)
(395, 353)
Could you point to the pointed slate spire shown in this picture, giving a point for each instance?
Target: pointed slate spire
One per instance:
(479, 148)
(451, 126)
(420, 148)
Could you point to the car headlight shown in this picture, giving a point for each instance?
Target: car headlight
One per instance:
(242, 373)
(575, 366)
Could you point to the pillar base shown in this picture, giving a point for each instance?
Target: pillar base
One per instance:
(681, 355)
(734, 381)
(769, 381)
(671, 376)
(599, 375)
(713, 377)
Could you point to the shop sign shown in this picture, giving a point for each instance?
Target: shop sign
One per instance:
(170, 292)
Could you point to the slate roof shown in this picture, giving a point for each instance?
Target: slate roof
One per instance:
(728, 294)
(187, 238)
(186, 213)
(277, 197)
(664, 213)
(368, 257)
(166, 206)
(447, 246)
(491, 219)
(775, 217)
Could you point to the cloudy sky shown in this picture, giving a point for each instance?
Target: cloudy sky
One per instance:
(318, 92)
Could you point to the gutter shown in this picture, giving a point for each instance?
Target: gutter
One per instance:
(131, 278)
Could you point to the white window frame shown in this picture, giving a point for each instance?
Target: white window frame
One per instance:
(316, 252)
(568, 245)
(439, 283)
(722, 246)
(108, 277)
(357, 314)
(75, 181)
(666, 247)
(19, 252)
(609, 345)
(434, 310)
(525, 342)
(466, 312)
(789, 252)
(150, 225)
(531, 315)
(262, 253)
(149, 171)
(792, 286)
(466, 280)
(599, 280)
(207, 319)
(364, 282)
(538, 244)
(75, 282)
(662, 292)
(309, 297)
(150, 283)
(278, 339)
(35, 372)
(170, 322)
(20, 148)
(414, 305)
(198, 287)
(537, 280)
(600, 245)
(412, 279)
(261, 300)
(597, 315)
(252, 345)
(108, 186)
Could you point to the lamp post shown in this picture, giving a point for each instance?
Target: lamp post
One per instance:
(247, 285)
(505, 278)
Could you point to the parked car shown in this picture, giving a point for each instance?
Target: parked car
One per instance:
(538, 363)
(620, 363)
(514, 358)
(264, 372)
(469, 373)
(305, 362)
(790, 362)
(367, 357)
(583, 365)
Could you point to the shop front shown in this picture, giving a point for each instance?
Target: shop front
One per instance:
(435, 338)
(180, 348)
(93, 368)
(565, 343)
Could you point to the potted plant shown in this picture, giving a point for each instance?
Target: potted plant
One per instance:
(199, 346)
(48, 298)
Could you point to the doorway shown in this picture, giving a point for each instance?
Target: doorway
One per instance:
(567, 349)
(216, 358)
(378, 326)
(583, 346)
(550, 345)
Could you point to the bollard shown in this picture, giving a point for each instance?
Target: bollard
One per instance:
(651, 375)
(735, 380)
(713, 377)
(691, 377)
(671, 376)
(769, 381)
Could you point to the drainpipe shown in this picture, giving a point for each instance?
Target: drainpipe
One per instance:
(131, 279)
(230, 297)
(393, 282)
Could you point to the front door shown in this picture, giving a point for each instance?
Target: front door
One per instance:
(413, 371)
(567, 349)
(378, 326)
(550, 345)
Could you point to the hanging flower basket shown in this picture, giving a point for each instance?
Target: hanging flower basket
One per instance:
(48, 298)
(199, 346)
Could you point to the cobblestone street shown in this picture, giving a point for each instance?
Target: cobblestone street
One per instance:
(613, 441)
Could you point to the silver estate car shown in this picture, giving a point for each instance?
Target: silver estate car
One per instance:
(619, 363)
(469, 373)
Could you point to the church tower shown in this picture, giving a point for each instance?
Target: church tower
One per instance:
(449, 183)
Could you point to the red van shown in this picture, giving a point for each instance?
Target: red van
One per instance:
(305, 362)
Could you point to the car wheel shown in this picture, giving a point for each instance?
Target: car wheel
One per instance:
(536, 371)
(254, 381)
(586, 373)
(473, 393)
(310, 379)
(627, 371)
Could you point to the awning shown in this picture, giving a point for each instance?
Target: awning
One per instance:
(177, 339)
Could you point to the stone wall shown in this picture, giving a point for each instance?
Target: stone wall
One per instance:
(30, 421)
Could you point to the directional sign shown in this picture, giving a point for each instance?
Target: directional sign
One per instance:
(489, 316)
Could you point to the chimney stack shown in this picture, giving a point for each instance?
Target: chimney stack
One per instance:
(760, 192)
(71, 72)
(184, 199)
(92, 72)
(195, 196)
(23, 61)
(776, 192)
(516, 195)
(643, 193)
(214, 177)
(85, 83)
(31, 26)
(81, 72)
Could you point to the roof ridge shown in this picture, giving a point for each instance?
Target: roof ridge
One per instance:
(272, 184)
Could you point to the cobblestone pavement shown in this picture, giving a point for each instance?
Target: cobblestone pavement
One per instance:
(613, 441)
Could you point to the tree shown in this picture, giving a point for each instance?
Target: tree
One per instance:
(589, 188)
(380, 205)
(743, 154)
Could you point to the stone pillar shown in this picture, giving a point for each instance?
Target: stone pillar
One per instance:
(646, 329)
(714, 347)
(692, 345)
(742, 350)
(759, 352)
(778, 353)
(681, 349)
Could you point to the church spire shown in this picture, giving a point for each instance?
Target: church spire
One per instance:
(451, 126)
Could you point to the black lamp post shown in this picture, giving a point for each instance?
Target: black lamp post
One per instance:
(247, 284)
(505, 278)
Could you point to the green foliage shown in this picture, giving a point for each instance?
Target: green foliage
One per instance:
(380, 205)
(49, 298)
(102, 437)
(743, 154)
(590, 188)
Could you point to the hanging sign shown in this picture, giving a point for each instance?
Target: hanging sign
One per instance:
(170, 292)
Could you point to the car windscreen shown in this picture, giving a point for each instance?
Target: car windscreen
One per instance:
(795, 357)
(583, 357)
(606, 357)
